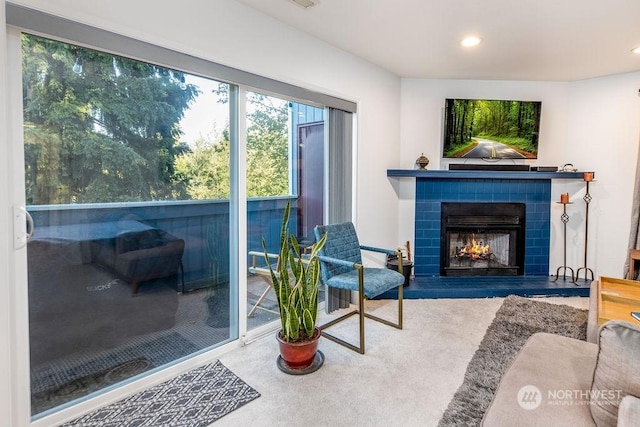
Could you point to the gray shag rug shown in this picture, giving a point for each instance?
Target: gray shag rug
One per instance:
(517, 319)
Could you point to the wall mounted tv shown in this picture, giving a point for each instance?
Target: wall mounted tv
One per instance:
(491, 129)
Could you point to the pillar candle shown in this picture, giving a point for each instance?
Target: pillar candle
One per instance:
(588, 176)
(564, 198)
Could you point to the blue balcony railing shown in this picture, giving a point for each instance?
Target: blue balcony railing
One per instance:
(203, 225)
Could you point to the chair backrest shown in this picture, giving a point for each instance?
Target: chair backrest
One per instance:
(342, 243)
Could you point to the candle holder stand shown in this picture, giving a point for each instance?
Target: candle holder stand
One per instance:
(587, 199)
(564, 218)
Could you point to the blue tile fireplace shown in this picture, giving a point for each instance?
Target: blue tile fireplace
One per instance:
(488, 191)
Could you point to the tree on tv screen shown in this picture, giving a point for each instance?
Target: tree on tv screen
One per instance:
(514, 123)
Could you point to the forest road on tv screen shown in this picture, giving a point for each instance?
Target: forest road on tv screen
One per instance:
(491, 129)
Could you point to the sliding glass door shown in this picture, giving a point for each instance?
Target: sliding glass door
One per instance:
(148, 189)
(128, 179)
(127, 171)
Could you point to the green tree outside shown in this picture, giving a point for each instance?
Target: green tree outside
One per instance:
(267, 147)
(111, 132)
(206, 167)
(106, 134)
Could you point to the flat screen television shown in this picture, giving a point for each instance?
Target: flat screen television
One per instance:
(491, 129)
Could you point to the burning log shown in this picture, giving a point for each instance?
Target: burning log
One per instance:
(476, 250)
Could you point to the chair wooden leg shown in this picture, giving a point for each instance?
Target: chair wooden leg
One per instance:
(257, 304)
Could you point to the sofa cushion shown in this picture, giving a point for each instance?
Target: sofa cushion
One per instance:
(137, 240)
(547, 384)
(629, 412)
(617, 370)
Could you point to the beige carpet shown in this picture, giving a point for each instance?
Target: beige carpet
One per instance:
(406, 378)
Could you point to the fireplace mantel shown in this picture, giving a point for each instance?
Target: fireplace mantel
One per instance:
(533, 188)
(480, 174)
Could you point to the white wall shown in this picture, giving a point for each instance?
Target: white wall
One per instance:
(603, 134)
(593, 124)
(227, 32)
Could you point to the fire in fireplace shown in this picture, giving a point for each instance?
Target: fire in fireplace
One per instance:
(482, 239)
(474, 251)
(479, 250)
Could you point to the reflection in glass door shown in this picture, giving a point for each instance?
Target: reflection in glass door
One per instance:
(127, 181)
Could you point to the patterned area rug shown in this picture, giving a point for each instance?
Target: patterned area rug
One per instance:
(196, 398)
(517, 319)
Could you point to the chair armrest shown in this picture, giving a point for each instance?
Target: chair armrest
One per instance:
(381, 250)
(255, 255)
(261, 254)
(337, 261)
(263, 270)
(629, 411)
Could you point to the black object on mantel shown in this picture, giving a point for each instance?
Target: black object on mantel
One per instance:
(544, 168)
(476, 167)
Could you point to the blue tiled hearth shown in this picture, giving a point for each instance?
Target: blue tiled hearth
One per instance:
(431, 193)
(460, 186)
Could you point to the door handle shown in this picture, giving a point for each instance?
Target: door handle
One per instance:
(23, 227)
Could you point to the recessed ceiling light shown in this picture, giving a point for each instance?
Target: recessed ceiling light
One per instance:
(636, 50)
(305, 3)
(471, 41)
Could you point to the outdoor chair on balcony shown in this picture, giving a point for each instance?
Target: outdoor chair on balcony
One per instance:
(258, 268)
(341, 267)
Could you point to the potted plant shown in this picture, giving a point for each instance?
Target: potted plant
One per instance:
(295, 282)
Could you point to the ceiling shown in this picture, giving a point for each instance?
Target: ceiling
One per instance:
(558, 40)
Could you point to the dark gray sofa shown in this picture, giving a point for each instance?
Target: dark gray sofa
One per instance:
(140, 255)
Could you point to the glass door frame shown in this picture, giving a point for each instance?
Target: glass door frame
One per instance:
(18, 269)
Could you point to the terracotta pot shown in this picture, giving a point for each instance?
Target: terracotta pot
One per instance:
(299, 355)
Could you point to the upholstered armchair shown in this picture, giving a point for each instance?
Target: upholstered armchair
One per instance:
(341, 267)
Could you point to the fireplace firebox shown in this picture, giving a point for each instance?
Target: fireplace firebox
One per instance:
(482, 239)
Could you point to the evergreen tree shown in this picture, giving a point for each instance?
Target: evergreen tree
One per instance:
(99, 127)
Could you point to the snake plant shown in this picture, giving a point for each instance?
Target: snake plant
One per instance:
(295, 281)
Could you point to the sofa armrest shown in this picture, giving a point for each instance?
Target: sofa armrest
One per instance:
(629, 411)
